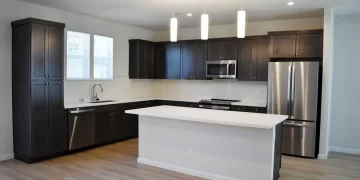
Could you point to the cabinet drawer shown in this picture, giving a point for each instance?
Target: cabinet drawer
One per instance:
(257, 109)
(239, 108)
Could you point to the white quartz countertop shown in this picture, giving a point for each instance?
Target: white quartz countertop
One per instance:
(243, 119)
(190, 99)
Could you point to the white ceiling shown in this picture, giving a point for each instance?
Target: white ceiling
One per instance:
(155, 14)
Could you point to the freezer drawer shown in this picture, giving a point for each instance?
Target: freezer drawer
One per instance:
(299, 138)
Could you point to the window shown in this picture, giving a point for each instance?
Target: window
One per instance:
(103, 57)
(78, 55)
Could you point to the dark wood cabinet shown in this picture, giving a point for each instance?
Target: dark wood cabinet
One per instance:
(47, 56)
(39, 122)
(253, 59)
(309, 46)
(55, 55)
(141, 59)
(39, 119)
(160, 61)
(173, 61)
(222, 49)
(103, 127)
(262, 59)
(239, 108)
(246, 60)
(193, 60)
(257, 109)
(57, 120)
(283, 46)
(118, 125)
(296, 44)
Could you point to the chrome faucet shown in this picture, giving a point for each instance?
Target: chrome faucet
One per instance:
(94, 95)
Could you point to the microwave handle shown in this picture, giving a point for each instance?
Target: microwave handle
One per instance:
(227, 69)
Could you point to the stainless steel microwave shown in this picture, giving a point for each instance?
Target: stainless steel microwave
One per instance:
(223, 69)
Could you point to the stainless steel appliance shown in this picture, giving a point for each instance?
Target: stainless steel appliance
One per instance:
(218, 104)
(293, 90)
(225, 69)
(81, 131)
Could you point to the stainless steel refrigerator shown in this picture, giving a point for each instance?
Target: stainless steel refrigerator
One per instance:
(293, 90)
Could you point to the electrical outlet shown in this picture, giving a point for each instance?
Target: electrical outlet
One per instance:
(190, 150)
(81, 100)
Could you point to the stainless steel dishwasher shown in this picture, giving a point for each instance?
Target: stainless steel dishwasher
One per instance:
(81, 131)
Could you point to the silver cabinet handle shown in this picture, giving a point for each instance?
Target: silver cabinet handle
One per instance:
(289, 94)
(293, 91)
(82, 111)
(296, 125)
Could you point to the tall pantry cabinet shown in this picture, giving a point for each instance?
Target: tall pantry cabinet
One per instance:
(39, 122)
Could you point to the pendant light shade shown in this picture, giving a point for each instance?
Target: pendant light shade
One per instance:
(205, 27)
(173, 29)
(241, 24)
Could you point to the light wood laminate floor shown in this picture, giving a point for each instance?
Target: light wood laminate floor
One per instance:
(118, 162)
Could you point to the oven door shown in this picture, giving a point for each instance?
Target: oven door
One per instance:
(221, 69)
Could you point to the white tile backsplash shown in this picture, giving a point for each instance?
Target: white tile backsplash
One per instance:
(124, 88)
(225, 89)
(119, 88)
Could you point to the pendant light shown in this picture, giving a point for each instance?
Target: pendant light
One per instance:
(204, 26)
(241, 23)
(173, 28)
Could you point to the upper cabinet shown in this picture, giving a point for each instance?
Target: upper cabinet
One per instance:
(253, 58)
(141, 59)
(193, 60)
(296, 44)
(222, 49)
(47, 57)
(173, 61)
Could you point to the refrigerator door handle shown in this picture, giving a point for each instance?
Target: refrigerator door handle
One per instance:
(293, 92)
(289, 94)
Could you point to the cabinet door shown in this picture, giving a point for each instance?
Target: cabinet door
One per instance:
(118, 125)
(132, 125)
(214, 50)
(200, 57)
(57, 141)
(257, 109)
(103, 127)
(39, 52)
(140, 61)
(245, 60)
(148, 61)
(282, 46)
(261, 59)
(229, 50)
(173, 61)
(160, 61)
(187, 61)
(55, 50)
(309, 46)
(39, 119)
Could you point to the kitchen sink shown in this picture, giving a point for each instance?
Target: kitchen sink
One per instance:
(105, 101)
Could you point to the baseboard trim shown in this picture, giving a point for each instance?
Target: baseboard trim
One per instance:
(345, 150)
(183, 170)
(6, 157)
(322, 156)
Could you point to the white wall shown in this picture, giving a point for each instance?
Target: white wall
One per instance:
(11, 10)
(252, 28)
(326, 84)
(345, 118)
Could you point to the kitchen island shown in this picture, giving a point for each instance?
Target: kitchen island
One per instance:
(211, 144)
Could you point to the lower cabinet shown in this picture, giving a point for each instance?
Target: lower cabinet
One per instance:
(249, 109)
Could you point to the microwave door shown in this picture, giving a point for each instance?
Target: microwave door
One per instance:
(216, 70)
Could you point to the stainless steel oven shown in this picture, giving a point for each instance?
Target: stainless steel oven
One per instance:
(221, 69)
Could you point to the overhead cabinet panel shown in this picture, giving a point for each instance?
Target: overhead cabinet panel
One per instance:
(173, 61)
(39, 49)
(283, 46)
(309, 46)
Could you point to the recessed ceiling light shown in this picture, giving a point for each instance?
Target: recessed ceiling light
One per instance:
(189, 14)
(290, 3)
